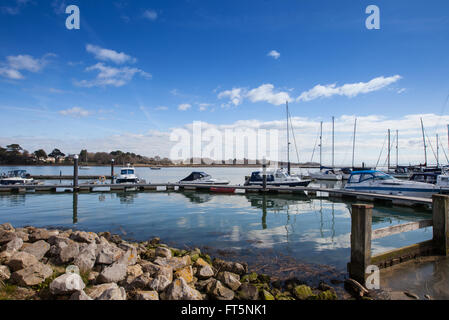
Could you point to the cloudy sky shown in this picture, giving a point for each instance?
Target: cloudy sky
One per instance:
(137, 70)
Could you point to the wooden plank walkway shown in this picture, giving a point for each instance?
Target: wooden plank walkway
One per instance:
(311, 191)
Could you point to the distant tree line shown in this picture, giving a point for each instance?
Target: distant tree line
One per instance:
(14, 154)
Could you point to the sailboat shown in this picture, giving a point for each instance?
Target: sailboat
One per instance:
(326, 173)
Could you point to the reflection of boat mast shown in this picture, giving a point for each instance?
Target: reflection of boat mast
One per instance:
(264, 212)
(321, 218)
(333, 222)
(75, 207)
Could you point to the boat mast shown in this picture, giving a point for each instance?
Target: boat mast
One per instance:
(389, 147)
(397, 149)
(288, 142)
(353, 143)
(333, 134)
(321, 142)
(438, 155)
(424, 141)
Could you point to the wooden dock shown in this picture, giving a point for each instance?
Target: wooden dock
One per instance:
(68, 177)
(310, 191)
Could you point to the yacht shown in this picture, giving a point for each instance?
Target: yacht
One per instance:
(375, 181)
(17, 177)
(128, 175)
(202, 178)
(326, 174)
(276, 177)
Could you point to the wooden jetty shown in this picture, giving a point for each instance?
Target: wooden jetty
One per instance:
(68, 177)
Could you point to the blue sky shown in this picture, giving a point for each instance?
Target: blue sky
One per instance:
(137, 69)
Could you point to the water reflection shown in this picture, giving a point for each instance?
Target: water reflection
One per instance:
(127, 197)
(75, 207)
(197, 197)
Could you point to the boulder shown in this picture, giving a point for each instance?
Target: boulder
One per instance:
(218, 291)
(113, 273)
(200, 262)
(159, 283)
(39, 234)
(108, 253)
(186, 273)
(5, 274)
(86, 258)
(22, 235)
(113, 294)
(6, 236)
(232, 280)
(21, 260)
(233, 267)
(13, 245)
(5, 256)
(129, 257)
(82, 236)
(147, 295)
(174, 262)
(163, 252)
(80, 295)
(96, 291)
(68, 283)
(32, 275)
(6, 227)
(140, 282)
(180, 290)
(205, 272)
(248, 292)
(151, 268)
(302, 292)
(37, 249)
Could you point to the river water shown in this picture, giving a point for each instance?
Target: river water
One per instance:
(263, 230)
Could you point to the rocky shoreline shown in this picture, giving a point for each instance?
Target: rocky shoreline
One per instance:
(50, 264)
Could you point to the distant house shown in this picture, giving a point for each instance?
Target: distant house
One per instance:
(50, 160)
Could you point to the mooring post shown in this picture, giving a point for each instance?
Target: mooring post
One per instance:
(112, 171)
(75, 172)
(440, 212)
(264, 175)
(361, 222)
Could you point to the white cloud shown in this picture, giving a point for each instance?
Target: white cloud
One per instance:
(14, 10)
(349, 90)
(110, 76)
(75, 112)
(264, 93)
(150, 14)
(11, 68)
(109, 55)
(235, 95)
(274, 54)
(184, 107)
(11, 73)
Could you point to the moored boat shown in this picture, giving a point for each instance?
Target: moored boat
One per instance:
(276, 177)
(17, 177)
(128, 176)
(202, 178)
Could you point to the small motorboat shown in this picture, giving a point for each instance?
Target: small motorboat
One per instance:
(326, 174)
(155, 168)
(128, 176)
(375, 181)
(202, 178)
(17, 177)
(276, 177)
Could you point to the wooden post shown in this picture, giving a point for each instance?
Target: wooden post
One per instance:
(264, 176)
(440, 209)
(112, 171)
(361, 221)
(75, 173)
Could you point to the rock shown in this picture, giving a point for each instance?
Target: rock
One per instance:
(147, 295)
(159, 283)
(267, 295)
(302, 292)
(163, 252)
(248, 292)
(68, 283)
(252, 277)
(6, 236)
(64, 250)
(411, 295)
(32, 275)
(218, 291)
(200, 262)
(21, 260)
(428, 297)
(180, 290)
(5, 256)
(113, 273)
(230, 279)
(233, 267)
(96, 291)
(151, 268)
(80, 295)
(355, 288)
(22, 235)
(186, 273)
(175, 262)
(154, 241)
(86, 258)
(108, 254)
(39, 234)
(205, 272)
(92, 278)
(327, 295)
(6, 227)
(37, 249)
(129, 257)
(113, 294)
(13, 245)
(140, 282)
(5, 274)
(86, 237)
(134, 271)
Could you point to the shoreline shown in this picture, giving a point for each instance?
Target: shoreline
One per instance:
(34, 261)
(160, 166)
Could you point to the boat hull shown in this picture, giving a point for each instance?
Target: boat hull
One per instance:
(397, 191)
(303, 183)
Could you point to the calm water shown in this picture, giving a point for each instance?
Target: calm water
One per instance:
(309, 230)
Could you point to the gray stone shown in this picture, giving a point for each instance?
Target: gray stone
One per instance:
(248, 292)
(218, 291)
(82, 236)
(174, 262)
(159, 283)
(39, 234)
(80, 295)
(113, 273)
(68, 283)
(180, 290)
(147, 295)
(22, 235)
(6, 227)
(96, 291)
(232, 280)
(21, 260)
(87, 257)
(66, 251)
(205, 272)
(108, 253)
(163, 252)
(113, 294)
(13, 245)
(5, 274)
(233, 267)
(32, 275)
(129, 257)
(150, 267)
(5, 256)
(37, 249)
(6, 236)
(140, 282)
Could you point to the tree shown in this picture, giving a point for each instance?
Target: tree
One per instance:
(57, 154)
(40, 153)
(14, 148)
(83, 155)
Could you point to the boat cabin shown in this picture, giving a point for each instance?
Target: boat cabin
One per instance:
(195, 176)
(427, 177)
(362, 176)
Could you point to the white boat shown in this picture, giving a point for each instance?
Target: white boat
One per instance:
(326, 174)
(374, 181)
(202, 178)
(17, 177)
(276, 177)
(128, 176)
